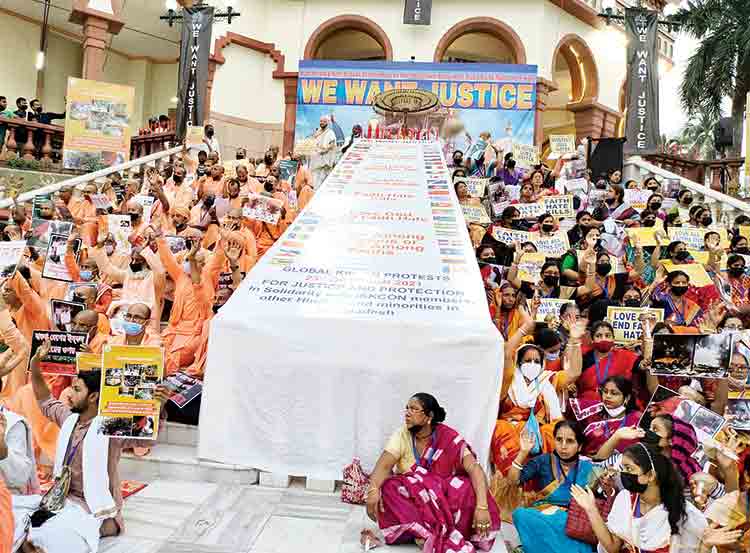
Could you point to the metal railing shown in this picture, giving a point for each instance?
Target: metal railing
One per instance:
(90, 177)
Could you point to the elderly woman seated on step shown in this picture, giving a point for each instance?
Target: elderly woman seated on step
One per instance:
(438, 496)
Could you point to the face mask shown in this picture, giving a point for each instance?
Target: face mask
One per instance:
(651, 438)
(572, 459)
(649, 223)
(516, 224)
(632, 303)
(743, 250)
(603, 268)
(109, 250)
(216, 309)
(616, 412)
(554, 356)
(679, 290)
(209, 133)
(736, 272)
(682, 255)
(179, 227)
(134, 217)
(548, 228)
(79, 299)
(131, 328)
(186, 267)
(655, 206)
(707, 221)
(136, 267)
(490, 260)
(687, 201)
(610, 201)
(177, 179)
(530, 370)
(551, 281)
(630, 483)
(87, 275)
(603, 346)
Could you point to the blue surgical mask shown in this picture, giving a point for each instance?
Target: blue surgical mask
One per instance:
(131, 328)
(552, 356)
(87, 275)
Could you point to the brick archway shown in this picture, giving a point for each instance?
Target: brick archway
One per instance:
(583, 70)
(347, 22)
(487, 25)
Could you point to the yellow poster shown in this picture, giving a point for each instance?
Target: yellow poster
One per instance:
(88, 361)
(695, 271)
(129, 381)
(644, 236)
(530, 267)
(626, 322)
(97, 125)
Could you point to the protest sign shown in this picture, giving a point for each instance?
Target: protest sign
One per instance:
(704, 257)
(561, 144)
(119, 226)
(292, 199)
(288, 170)
(42, 229)
(508, 236)
(643, 236)
(530, 267)
(129, 381)
(475, 186)
(476, 214)
(530, 211)
(63, 313)
(262, 208)
(54, 264)
(550, 307)
(664, 401)
(559, 206)
(626, 322)
(744, 231)
(694, 237)
(738, 413)
(176, 244)
(692, 355)
(512, 191)
(553, 246)
(526, 155)
(88, 361)
(148, 205)
(498, 208)
(61, 359)
(671, 187)
(194, 136)
(10, 255)
(695, 271)
(101, 201)
(637, 199)
(184, 388)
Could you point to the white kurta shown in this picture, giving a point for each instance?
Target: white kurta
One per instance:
(323, 162)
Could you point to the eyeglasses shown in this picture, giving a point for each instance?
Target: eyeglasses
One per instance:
(133, 318)
(410, 409)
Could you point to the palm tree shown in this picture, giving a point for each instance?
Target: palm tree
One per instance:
(720, 67)
(698, 134)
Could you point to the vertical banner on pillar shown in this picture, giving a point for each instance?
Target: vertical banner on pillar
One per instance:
(642, 130)
(97, 124)
(195, 47)
(747, 144)
(417, 12)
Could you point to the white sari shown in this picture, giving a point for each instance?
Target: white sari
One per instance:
(651, 531)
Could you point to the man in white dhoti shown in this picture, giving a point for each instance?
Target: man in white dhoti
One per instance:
(322, 162)
(17, 465)
(85, 502)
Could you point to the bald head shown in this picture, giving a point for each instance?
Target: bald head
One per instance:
(86, 295)
(139, 312)
(86, 322)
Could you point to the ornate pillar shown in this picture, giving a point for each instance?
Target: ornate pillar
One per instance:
(290, 113)
(543, 89)
(99, 19)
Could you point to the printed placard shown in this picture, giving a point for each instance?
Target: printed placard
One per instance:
(63, 313)
(101, 201)
(119, 226)
(288, 170)
(61, 359)
(530, 211)
(643, 236)
(695, 271)
(526, 155)
(559, 206)
(54, 264)
(553, 246)
(476, 214)
(694, 237)
(129, 381)
(194, 136)
(10, 256)
(148, 205)
(184, 388)
(262, 208)
(550, 307)
(626, 322)
(705, 422)
(41, 230)
(176, 244)
(508, 236)
(530, 267)
(692, 355)
(86, 361)
(738, 413)
(637, 199)
(562, 144)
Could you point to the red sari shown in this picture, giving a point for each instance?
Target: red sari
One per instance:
(435, 501)
(598, 427)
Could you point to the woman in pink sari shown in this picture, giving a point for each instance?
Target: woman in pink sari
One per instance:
(432, 498)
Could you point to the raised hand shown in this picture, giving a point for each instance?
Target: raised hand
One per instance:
(527, 442)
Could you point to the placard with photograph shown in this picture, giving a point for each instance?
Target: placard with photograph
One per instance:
(692, 355)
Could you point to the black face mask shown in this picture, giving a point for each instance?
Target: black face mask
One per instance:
(649, 223)
(180, 227)
(687, 201)
(707, 221)
(630, 483)
(651, 438)
(136, 267)
(572, 459)
(177, 179)
(490, 260)
(547, 227)
(679, 291)
(209, 133)
(655, 206)
(744, 250)
(603, 269)
(516, 224)
(682, 255)
(736, 272)
(632, 303)
(134, 217)
(610, 201)
(551, 281)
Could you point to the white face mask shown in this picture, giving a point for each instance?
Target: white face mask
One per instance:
(186, 268)
(616, 412)
(530, 370)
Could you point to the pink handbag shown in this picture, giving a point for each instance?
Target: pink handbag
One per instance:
(354, 488)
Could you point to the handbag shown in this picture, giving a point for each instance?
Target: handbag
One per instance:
(533, 430)
(578, 525)
(356, 481)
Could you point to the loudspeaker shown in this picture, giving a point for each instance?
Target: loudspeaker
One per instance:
(723, 134)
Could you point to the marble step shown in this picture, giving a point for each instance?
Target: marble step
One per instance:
(180, 462)
(175, 433)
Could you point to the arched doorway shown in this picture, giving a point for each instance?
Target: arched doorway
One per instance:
(480, 39)
(576, 78)
(349, 37)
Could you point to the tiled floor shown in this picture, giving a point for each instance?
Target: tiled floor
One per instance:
(191, 517)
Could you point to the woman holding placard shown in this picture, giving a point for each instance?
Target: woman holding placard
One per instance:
(678, 308)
